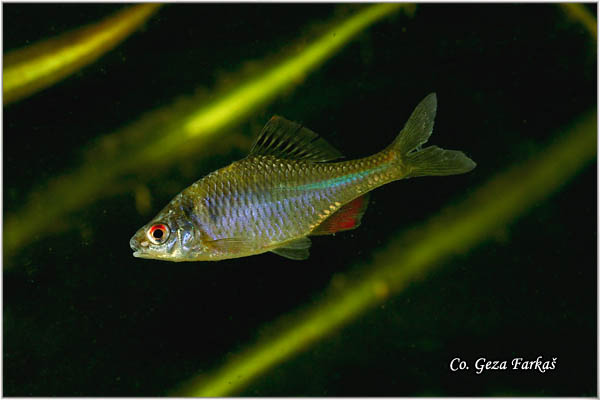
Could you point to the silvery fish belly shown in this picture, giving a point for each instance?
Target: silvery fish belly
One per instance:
(288, 188)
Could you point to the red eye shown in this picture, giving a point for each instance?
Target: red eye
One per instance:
(158, 233)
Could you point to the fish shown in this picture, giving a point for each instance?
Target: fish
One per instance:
(292, 185)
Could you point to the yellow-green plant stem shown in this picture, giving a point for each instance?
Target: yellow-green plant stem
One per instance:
(411, 256)
(42, 64)
(162, 136)
(241, 101)
(581, 14)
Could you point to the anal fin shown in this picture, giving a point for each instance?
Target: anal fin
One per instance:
(295, 249)
(346, 218)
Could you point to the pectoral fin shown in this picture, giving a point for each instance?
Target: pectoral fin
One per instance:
(231, 245)
(295, 249)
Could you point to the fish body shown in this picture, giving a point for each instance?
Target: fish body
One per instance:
(266, 201)
(285, 190)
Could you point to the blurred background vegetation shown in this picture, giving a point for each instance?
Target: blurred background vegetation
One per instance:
(496, 263)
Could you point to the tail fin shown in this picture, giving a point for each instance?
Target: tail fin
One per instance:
(431, 160)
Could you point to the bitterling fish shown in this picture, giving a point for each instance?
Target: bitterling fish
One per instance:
(287, 189)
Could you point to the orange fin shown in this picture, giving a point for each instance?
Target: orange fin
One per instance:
(346, 218)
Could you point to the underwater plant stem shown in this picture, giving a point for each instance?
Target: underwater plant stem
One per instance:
(42, 64)
(581, 14)
(163, 135)
(286, 73)
(454, 230)
(244, 99)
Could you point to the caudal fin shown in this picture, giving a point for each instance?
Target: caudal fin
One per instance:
(430, 160)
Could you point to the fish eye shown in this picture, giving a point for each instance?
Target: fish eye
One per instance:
(158, 233)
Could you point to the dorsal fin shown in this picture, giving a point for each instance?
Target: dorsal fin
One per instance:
(286, 139)
(346, 218)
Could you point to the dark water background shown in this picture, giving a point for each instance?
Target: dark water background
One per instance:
(83, 317)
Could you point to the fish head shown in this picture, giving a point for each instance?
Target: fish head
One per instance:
(170, 236)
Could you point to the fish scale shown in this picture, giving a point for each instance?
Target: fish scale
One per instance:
(256, 184)
(286, 189)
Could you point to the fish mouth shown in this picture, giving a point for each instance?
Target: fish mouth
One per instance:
(133, 243)
(139, 254)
